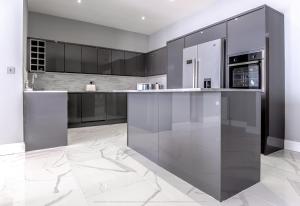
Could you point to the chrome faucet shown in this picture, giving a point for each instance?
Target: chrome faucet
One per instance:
(33, 77)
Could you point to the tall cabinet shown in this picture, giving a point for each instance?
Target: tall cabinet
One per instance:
(263, 29)
(174, 69)
(259, 29)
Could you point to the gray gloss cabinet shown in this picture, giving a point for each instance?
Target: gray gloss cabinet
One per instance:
(89, 60)
(116, 106)
(247, 32)
(73, 58)
(74, 108)
(45, 120)
(93, 107)
(208, 34)
(199, 137)
(104, 61)
(55, 56)
(174, 62)
(143, 124)
(134, 64)
(118, 62)
(156, 62)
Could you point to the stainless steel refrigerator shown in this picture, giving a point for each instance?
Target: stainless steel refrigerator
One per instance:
(203, 65)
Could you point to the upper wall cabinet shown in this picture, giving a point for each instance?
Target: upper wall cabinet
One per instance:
(205, 35)
(73, 58)
(247, 33)
(89, 60)
(104, 61)
(118, 62)
(156, 62)
(175, 54)
(134, 64)
(55, 56)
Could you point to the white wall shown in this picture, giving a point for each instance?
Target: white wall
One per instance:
(61, 29)
(11, 85)
(226, 8)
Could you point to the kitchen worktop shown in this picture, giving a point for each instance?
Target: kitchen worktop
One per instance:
(190, 90)
(44, 91)
(99, 91)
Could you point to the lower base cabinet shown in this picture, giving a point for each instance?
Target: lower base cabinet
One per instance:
(116, 106)
(96, 108)
(93, 107)
(74, 108)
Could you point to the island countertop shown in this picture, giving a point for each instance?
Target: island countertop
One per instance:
(188, 90)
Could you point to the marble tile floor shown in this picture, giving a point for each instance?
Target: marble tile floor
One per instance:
(98, 169)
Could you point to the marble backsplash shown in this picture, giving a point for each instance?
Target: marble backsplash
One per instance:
(77, 82)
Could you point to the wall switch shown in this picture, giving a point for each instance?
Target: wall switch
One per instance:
(11, 70)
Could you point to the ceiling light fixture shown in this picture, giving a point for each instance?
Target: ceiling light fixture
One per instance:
(143, 18)
(171, 0)
(79, 1)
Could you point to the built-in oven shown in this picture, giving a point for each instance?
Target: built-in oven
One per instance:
(246, 70)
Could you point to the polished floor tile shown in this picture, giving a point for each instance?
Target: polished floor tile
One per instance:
(97, 168)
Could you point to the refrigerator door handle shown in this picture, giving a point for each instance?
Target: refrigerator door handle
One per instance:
(198, 72)
(194, 73)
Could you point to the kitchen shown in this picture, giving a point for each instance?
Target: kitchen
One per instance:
(117, 102)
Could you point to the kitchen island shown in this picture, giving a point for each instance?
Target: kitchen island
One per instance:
(211, 138)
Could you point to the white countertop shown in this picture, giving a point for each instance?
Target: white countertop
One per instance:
(188, 90)
(44, 91)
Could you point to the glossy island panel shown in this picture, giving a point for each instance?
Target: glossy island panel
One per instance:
(45, 119)
(209, 139)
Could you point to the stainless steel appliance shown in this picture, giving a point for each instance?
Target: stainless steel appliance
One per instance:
(203, 65)
(246, 70)
(143, 86)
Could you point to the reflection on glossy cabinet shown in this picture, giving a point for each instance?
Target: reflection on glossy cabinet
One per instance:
(93, 107)
(116, 106)
(118, 62)
(175, 53)
(74, 108)
(55, 56)
(89, 60)
(143, 124)
(104, 61)
(247, 33)
(156, 62)
(73, 58)
(209, 34)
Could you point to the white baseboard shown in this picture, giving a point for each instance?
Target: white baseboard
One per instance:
(15, 148)
(292, 145)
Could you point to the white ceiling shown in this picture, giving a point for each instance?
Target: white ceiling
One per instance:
(122, 14)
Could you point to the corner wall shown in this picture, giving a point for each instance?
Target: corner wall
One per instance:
(11, 85)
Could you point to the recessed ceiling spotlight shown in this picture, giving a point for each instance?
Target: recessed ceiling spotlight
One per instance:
(171, 0)
(79, 1)
(143, 18)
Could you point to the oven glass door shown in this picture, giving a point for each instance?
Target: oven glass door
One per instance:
(246, 76)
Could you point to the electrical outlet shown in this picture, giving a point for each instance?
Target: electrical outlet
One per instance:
(11, 70)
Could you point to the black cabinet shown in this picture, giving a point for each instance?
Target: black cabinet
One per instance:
(156, 62)
(104, 61)
(140, 68)
(247, 33)
(89, 60)
(116, 106)
(93, 107)
(209, 34)
(73, 58)
(118, 62)
(175, 55)
(134, 64)
(74, 108)
(55, 56)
